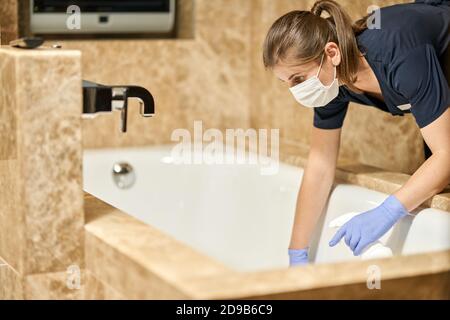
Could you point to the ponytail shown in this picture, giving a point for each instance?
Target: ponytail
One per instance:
(342, 29)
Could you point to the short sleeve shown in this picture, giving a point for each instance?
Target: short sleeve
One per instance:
(332, 115)
(419, 77)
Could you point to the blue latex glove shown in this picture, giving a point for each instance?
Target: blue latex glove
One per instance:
(298, 257)
(368, 227)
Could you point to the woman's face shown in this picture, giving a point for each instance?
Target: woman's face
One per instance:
(292, 74)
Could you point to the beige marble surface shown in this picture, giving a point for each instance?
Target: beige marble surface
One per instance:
(9, 15)
(185, 26)
(46, 286)
(53, 286)
(95, 289)
(203, 78)
(138, 262)
(41, 206)
(10, 282)
(350, 171)
(144, 251)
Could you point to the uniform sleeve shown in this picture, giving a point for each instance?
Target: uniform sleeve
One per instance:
(419, 77)
(332, 115)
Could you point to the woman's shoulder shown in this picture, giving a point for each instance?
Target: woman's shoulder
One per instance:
(403, 27)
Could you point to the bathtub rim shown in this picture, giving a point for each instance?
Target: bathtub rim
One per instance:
(193, 275)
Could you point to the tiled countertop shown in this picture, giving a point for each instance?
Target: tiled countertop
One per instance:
(362, 175)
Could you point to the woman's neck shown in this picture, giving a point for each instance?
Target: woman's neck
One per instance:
(366, 79)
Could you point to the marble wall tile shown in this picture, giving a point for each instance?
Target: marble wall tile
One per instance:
(45, 177)
(201, 79)
(213, 71)
(185, 28)
(12, 219)
(137, 282)
(95, 289)
(54, 286)
(9, 16)
(11, 286)
(8, 112)
(114, 62)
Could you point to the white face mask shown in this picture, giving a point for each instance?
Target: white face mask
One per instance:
(313, 94)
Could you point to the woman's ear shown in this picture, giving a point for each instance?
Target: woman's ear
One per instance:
(333, 52)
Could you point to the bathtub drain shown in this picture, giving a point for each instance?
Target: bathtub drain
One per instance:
(123, 175)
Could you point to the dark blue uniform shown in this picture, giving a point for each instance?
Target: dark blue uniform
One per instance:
(407, 56)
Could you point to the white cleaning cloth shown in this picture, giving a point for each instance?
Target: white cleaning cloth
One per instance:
(373, 251)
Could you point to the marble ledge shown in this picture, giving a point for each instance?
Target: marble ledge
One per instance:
(349, 171)
(55, 286)
(10, 283)
(144, 267)
(41, 51)
(52, 286)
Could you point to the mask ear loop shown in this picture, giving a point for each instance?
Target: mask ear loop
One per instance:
(320, 67)
(335, 72)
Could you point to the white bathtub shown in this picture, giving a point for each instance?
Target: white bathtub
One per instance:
(238, 216)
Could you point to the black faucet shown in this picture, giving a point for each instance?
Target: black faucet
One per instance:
(99, 98)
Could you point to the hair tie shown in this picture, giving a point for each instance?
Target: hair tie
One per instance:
(317, 10)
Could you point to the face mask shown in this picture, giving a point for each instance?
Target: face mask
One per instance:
(313, 94)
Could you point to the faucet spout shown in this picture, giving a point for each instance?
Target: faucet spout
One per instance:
(100, 98)
(145, 98)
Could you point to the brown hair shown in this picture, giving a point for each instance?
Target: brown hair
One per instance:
(304, 34)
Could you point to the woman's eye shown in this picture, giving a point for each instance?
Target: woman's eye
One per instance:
(298, 80)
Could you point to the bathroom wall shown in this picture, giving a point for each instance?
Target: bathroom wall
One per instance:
(206, 78)
(9, 25)
(218, 77)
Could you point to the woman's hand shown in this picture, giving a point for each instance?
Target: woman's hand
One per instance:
(370, 226)
(298, 257)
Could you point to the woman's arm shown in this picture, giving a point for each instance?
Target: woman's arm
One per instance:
(316, 184)
(427, 181)
(434, 174)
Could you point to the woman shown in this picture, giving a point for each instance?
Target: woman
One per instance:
(328, 62)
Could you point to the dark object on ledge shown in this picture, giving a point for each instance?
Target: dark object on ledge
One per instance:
(99, 98)
(27, 43)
